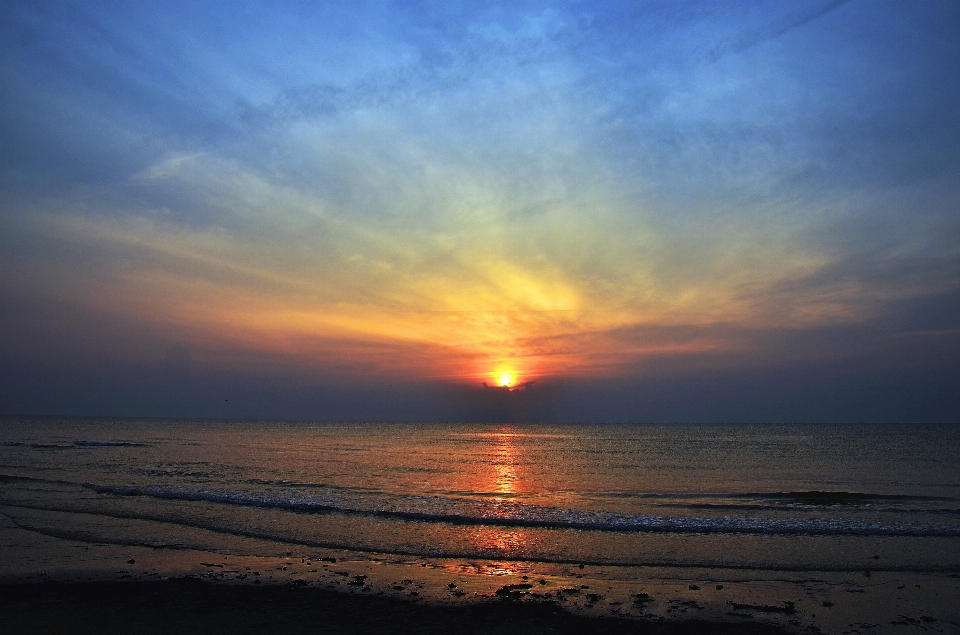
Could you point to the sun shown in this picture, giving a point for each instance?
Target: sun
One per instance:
(506, 378)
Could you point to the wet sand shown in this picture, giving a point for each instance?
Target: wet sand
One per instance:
(189, 605)
(49, 584)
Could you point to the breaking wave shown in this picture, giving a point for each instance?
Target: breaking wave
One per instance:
(462, 511)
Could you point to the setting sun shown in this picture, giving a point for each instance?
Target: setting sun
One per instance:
(506, 377)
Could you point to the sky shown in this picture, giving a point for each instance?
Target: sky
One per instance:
(626, 211)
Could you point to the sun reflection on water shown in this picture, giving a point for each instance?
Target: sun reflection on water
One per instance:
(506, 462)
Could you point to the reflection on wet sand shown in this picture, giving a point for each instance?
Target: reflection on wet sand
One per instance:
(508, 543)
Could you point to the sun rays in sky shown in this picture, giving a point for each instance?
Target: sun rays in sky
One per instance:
(379, 195)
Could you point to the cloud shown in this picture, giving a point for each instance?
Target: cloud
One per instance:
(418, 193)
(775, 29)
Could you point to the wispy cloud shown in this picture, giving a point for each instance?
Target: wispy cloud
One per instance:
(429, 192)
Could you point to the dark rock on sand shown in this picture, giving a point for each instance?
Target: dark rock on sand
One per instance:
(358, 580)
(513, 591)
(642, 598)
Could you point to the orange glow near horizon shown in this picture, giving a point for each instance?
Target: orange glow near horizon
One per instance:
(505, 377)
(486, 320)
(231, 313)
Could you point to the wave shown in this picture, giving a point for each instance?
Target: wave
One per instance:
(75, 444)
(814, 497)
(309, 485)
(108, 444)
(766, 507)
(9, 478)
(423, 551)
(817, 497)
(513, 514)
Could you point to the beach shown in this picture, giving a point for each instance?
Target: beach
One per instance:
(186, 605)
(806, 528)
(122, 589)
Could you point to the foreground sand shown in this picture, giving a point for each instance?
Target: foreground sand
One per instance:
(54, 584)
(188, 605)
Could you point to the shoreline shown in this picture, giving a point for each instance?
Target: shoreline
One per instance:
(71, 582)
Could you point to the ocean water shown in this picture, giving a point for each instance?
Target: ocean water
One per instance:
(777, 497)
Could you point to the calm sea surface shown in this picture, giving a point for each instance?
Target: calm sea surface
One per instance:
(797, 497)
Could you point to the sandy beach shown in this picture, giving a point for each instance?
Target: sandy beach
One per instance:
(188, 605)
(83, 587)
(264, 527)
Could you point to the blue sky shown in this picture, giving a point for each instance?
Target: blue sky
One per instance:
(652, 210)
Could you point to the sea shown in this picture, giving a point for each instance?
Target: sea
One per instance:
(809, 497)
